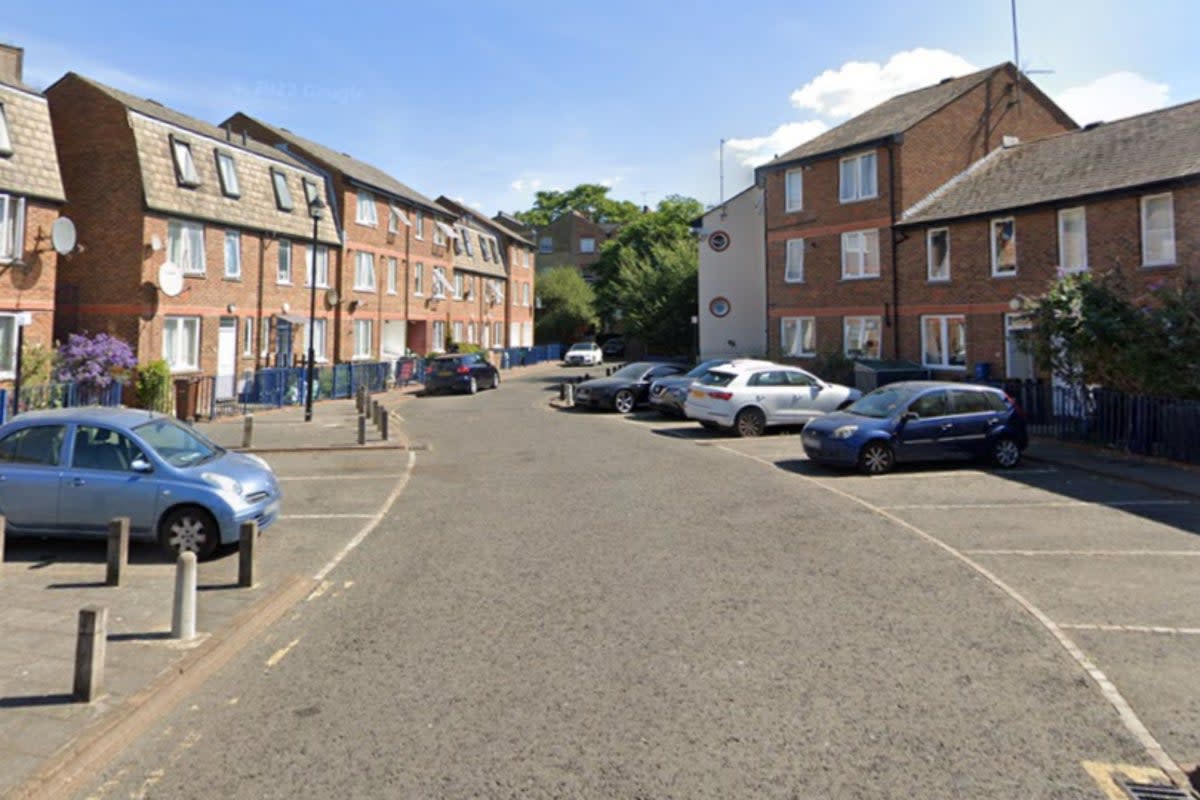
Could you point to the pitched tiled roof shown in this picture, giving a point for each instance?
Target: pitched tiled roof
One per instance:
(889, 117)
(458, 209)
(32, 169)
(352, 168)
(1136, 151)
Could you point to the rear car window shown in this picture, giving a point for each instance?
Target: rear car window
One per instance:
(970, 401)
(931, 404)
(996, 401)
(40, 444)
(715, 378)
(800, 379)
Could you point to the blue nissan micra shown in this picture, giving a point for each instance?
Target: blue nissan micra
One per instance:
(69, 472)
(919, 421)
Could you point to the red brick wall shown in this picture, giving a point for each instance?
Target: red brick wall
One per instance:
(30, 285)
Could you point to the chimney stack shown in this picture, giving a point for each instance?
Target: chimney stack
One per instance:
(11, 60)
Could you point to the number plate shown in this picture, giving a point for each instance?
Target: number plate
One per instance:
(697, 393)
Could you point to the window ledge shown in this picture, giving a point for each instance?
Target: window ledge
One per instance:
(937, 280)
(366, 224)
(232, 278)
(786, 280)
(370, 289)
(1163, 265)
(284, 283)
(391, 292)
(862, 277)
(1004, 275)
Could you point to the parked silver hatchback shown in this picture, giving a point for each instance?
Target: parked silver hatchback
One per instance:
(68, 472)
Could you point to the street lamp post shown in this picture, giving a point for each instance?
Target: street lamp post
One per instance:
(316, 211)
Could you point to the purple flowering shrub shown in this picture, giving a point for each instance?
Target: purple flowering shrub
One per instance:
(94, 363)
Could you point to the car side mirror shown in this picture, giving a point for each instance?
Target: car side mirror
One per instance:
(141, 465)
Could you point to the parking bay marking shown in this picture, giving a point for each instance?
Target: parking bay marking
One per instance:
(1083, 626)
(1036, 504)
(1100, 553)
(1133, 724)
(350, 477)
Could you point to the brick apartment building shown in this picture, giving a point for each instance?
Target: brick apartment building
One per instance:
(396, 241)
(493, 281)
(573, 240)
(1123, 195)
(833, 204)
(147, 185)
(31, 196)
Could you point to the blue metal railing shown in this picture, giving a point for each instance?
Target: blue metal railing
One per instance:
(58, 395)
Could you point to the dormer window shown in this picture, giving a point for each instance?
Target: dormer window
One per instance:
(227, 172)
(483, 248)
(310, 191)
(185, 165)
(283, 195)
(5, 141)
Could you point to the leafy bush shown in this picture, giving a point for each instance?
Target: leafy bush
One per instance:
(834, 367)
(37, 364)
(153, 384)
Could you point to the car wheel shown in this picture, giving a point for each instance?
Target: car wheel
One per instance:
(189, 529)
(473, 386)
(1005, 453)
(496, 380)
(750, 422)
(876, 458)
(623, 402)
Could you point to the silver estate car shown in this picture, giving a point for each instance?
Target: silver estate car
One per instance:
(68, 472)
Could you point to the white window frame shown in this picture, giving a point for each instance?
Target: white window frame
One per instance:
(233, 268)
(497, 334)
(1171, 260)
(849, 247)
(322, 265)
(997, 270)
(5, 139)
(179, 361)
(861, 321)
(12, 228)
(264, 337)
(364, 271)
(310, 190)
(471, 332)
(439, 235)
(527, 253)
(419, 226)
(458, 286)
(456, 329)
(364, 209)
(590, 248)
(525, 295)
(793, 193)
(438, 291)
(438, 334)
(1015, 324)
(321, 338)
(1063, 215)
(856, 192)
(392, 269)
(248, 337)
(283, 192)
(799, 325)
(793, 270)
(8, 357)
(182, 248)
(227, 174)
(931, 268)
(283, 267)
(185, 163)
(943, 321)
(465, 237)
(364, 334)
(419, 279)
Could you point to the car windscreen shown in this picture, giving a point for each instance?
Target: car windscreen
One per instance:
(177, 444)
(582, 348)
(716, 378)
(882, 403)
(633, 371)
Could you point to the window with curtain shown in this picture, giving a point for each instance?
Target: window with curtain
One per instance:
(12, 227)
(233, 254)
(185, 246)
(798, 336)
(365, 209)
(322, 266)
(794, 190)
(944, 341)
(856, 178)
(364, 271)
(860, 254)
(364, 333)
(937, 245)
(862, 336)
(181, 343)
(1004, 246)
(8, 345)
(1158, 230)
(794, 270)
(391, 275)
(1072, 240)
(283, 272)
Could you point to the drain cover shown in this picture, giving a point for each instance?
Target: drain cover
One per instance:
(1150, 791)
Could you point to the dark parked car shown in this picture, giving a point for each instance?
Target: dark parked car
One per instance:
(461, 372)
(920, 421)
(626, 388)
(614, 347)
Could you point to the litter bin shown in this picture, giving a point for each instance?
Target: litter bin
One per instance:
(983, 370)
(187, 398)
(871, 373)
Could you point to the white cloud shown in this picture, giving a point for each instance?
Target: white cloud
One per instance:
(757, 150)
(518, 184)
(1111, 97)
(521, 184)
(609, 183)
(477, 205)
(858, 85)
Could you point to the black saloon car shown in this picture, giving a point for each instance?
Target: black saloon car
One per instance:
(626, 388)
(460, 372)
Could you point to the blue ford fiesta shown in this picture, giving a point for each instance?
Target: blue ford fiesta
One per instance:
(919, 421)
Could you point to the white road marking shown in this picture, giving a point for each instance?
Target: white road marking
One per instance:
(279, 654)
(1037, 504)
(351, 477)
(1112, 553)
(1131, 629)
(952, 473)
(327, 516)
(320, 590)
(374, 523)
(1128, 716)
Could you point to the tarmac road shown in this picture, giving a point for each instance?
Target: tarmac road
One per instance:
(565, 604)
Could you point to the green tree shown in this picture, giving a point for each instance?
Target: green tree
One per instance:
(589, 198)
(568, 305)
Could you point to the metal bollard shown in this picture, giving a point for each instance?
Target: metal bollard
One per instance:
(376, 412)
(383, 427)
(89, 653)
(247, 553)
(570, 399)
(183, 612)
(118, 550)
(247, 430)
(362, 428)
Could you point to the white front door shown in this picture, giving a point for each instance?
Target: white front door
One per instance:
(226, 358)
(1017, 328)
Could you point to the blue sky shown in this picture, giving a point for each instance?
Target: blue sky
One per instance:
(488, 101)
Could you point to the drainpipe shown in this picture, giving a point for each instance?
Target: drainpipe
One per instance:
(895, 315)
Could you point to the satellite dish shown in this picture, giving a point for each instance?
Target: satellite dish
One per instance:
(170, 279)
(156, 243)
(331, 298)
(62, 236)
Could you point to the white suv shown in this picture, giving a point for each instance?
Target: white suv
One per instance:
(745, 398)
(584, 354)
